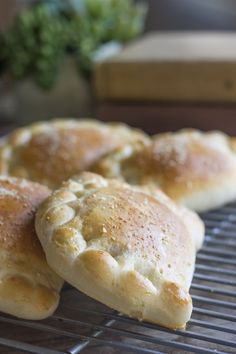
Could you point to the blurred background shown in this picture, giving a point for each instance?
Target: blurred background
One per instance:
(156, 64)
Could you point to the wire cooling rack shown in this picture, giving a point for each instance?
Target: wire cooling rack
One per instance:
(82, 325)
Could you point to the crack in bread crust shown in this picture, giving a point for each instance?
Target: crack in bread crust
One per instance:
(128, 247)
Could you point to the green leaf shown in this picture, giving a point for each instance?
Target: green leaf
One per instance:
(40, 38)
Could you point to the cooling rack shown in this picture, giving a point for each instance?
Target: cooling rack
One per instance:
(82, 325)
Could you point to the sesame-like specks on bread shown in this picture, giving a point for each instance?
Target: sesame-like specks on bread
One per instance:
(194, 168)
(50, 152)
(28, 287)
(129, 247)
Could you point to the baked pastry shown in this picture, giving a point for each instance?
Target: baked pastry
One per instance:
(194, 168)
(131, 248)
(50, 152)
(28, 287)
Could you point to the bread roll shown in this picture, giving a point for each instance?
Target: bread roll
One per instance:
(194, 168)
(131, 248)
(50, 152)
(28, 287)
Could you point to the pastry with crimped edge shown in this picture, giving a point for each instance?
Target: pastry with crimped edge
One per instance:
(29, 288)
(129, 247)
(194, 168)
(53, 151)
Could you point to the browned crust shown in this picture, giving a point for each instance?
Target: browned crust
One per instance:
(128, 247)
(185, 165)
(179, 169)
(21, 298)
(50, 152)
(28, 288)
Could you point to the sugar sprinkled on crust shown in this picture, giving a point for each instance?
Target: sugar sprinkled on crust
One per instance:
(50, 152)
(4, 192)
(129, 247)
(194, 168)
(28, 287)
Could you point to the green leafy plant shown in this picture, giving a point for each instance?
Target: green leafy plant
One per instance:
(42, 36)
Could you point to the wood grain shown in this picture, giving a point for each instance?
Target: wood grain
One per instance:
(187, 67)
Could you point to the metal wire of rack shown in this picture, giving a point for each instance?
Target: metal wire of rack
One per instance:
(81, 325)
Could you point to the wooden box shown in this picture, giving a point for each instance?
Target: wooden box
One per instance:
(165, 81)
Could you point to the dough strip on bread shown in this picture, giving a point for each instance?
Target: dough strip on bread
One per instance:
(129, 247)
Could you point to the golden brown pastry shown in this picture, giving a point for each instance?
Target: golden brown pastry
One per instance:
(28, 287)
(194, 168)
(50, 152)
(129, 247)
